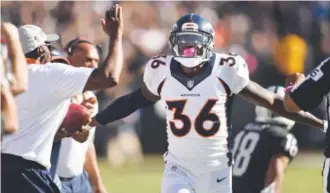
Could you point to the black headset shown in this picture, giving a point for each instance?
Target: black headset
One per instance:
(73, 43)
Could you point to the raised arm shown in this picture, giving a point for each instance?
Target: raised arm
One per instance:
(107, 75)
(126, 105)
(8, 110)
(308, 94)
(256, 94)
(19, 78)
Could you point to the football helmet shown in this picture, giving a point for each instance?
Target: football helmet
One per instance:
(192, 40)
(266, 116)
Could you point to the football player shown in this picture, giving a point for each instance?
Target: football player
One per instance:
(198, 87)
(262, 151)
(307, 94)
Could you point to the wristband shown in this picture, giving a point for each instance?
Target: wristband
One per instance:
(288, 89)
(325, 126)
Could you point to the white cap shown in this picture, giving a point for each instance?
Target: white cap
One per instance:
(32, 36)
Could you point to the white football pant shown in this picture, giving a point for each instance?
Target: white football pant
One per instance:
(179, 180)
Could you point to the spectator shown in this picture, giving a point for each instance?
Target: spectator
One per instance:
(77, 165)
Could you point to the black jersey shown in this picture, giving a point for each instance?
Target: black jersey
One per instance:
(310, 93)
(254, 148)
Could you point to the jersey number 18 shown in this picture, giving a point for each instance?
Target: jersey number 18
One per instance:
(244, 146)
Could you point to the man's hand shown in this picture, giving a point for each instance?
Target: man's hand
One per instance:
(290, 82)
(108, 74)
(89, 103)
(82, 134)
(60, 134)
(113, 22)
(294, 79)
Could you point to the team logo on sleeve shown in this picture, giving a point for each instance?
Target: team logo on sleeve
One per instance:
(190, 84)
(316, 74)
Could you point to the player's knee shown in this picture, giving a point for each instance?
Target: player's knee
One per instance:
(184, 190)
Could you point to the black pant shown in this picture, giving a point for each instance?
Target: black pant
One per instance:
(19, 175)
(54, 158)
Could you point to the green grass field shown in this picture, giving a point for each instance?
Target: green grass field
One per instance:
(303, 175)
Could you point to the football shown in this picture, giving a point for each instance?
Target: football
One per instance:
(75, 118)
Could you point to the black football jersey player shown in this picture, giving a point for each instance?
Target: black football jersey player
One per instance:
(255, 147)
(310, 93)
(307, 96)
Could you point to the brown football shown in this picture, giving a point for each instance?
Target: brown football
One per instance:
(75, 118)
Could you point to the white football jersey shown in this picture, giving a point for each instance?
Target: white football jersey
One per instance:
(198, 108)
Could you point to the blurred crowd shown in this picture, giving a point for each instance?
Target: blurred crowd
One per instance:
(275, 38)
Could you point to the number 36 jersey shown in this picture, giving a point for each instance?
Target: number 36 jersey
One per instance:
(254, 148)
(198, 108)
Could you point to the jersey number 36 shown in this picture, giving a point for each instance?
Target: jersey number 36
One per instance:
(205, 115)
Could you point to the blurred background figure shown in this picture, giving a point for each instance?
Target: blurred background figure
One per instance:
(77, 166)
(14, 77)
(262, 151)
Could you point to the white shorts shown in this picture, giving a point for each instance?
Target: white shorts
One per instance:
(179, 180)
(326, 177)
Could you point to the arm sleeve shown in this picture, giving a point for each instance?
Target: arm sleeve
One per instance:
(310, 92)
(235, 74)
(123, 107)
(66, 81)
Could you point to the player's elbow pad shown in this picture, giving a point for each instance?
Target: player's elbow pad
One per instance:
(123, 107)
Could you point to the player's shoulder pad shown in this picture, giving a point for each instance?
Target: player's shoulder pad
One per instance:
(233, 70)
(231, 62)
(232, 59)
(158, 63)
(156, 70)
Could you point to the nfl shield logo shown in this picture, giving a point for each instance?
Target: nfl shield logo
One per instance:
(190, 83)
